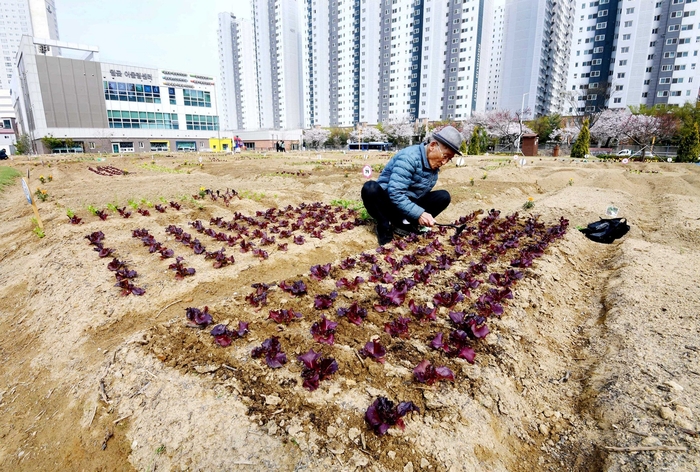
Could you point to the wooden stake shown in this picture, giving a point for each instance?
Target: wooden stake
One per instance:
(646, 448)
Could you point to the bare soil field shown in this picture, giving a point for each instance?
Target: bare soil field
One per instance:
(593, 365)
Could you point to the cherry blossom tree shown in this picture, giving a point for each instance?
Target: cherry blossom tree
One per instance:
(314, 137)
(610, 126)
(367, 134)
(566, 135)
(503, 125)
(400, 132)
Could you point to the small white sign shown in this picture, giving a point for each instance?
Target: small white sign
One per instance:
(367, 171)
(27, 193)
(625, 160)
(200, 159)
(459, 162)
(523, 162)
(669, 159)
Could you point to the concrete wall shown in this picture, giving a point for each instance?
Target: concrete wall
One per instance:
(77, 99)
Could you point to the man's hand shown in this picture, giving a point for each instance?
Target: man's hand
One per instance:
(426, 219)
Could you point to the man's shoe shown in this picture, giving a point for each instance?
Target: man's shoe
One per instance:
(406, 229)
(384, 234)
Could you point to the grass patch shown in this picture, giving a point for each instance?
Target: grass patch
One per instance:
(8, 176)
(353, 205)
(158, 168)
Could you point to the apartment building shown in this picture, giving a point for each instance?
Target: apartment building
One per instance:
(634, 53)
(23, 17)
(535, 62)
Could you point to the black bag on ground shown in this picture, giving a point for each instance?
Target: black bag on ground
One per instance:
(606, 231)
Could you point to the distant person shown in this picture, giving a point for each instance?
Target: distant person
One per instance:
(3, 154)
(283, 147)
(401, 199)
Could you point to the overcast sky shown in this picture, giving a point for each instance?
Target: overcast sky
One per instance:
(165, 34)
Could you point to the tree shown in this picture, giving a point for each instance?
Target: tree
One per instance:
(338, 137)
(643, 130)
(314, 137)
(474, 143)
(502, 125)
(564, 135)
(610, 126)
(689, 146)
(544, 126)
(399, 132)
(580, 147)
(24, 145)
(52, 143)
(367, 134)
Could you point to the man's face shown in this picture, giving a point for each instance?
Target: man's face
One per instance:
(439, 154)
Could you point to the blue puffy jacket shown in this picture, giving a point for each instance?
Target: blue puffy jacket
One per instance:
(408, 176)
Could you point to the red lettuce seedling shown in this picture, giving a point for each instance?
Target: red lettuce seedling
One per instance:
(458, 345)
(422, 312)
(354, 313)
(323, 301)
(348, 263)
(123, 212)
(282, 247)
(284, 316)
(447, 299)
(474, 325)
(316, 368)
(115, 265)
(444, 262)
(103, 251)
(224, 337)
(382, 414)
(376, 274)
(324, 331)
(368, 258)
(297, 288)
(260, 253)
(101, 214)
(320, 272)
(180, 270)
(199, 318)
(95, 237)
(374, 350)
(271, 348)
(143, 212)
(125, 273)
(428, 374)
(387, 298)
(350, 284)
(160, 208)
(299, 240)
(259, 297)
(74, 220)
(398, 328)
(127, 287)
(175, 205)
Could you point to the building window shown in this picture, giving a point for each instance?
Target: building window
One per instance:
(617, 100)
(126, 92)
(171, 96)
(142, 120)
(197, 98)
(91, 145)
(201, 122)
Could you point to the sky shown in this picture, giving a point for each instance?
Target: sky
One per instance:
(163, 34)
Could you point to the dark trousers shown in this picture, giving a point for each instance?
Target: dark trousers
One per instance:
(380, 207)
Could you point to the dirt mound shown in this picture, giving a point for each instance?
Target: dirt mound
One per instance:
(593, 350)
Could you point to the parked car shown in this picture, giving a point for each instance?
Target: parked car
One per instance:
(624, 152)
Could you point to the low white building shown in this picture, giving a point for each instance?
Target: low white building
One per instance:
(103, 107)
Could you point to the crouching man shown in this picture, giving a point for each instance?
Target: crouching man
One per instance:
(401, 199)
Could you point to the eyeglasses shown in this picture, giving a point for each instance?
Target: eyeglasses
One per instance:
(442, 155)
